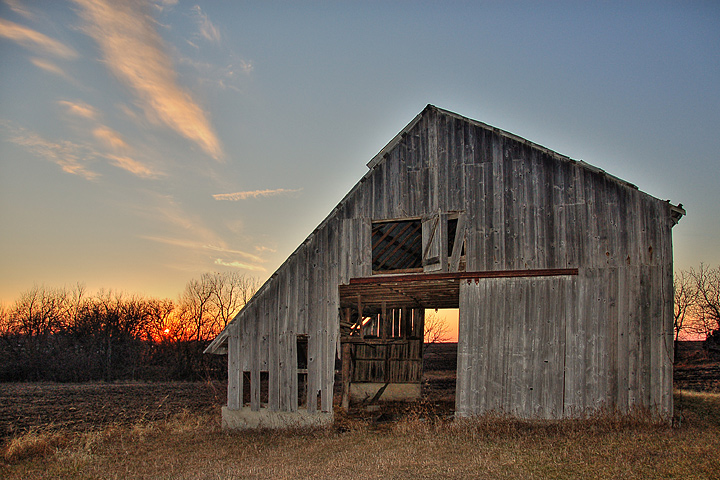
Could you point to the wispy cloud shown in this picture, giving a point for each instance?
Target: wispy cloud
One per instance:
(234, 197)
(110, 138)
(253, 260)
(207, 29)
(16, 7)
(167, 209)
(163, 4)
(133, 166)
(227, 76)
(246, 255)
(49, 67)
(72, 157)
(112, 147)
(133, 50)
(80, 109)
(244, 266)
(34, 40)
(78, 158)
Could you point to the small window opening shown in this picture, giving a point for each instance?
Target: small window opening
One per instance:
(302, 352)
(246, 388)
(452, 233)
(264, 387)
(397, 246)
(302, 369)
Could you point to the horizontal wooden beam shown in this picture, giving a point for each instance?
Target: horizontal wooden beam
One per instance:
(551, 272)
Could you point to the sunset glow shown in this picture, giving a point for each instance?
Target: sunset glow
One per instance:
(146, 142)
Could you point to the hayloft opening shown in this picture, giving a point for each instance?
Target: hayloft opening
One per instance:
(397, 247)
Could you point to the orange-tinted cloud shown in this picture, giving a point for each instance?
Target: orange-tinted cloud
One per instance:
(77, 158)
(235, 264)
(194, 245)
(49, 67)
(80, 109)
(32, 39)
(18, 8)
(134, 52)
(110, 138)
(133, 166)
(73, 158)
(234, 197)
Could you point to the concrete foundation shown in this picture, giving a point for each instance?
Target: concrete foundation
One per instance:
(264, 418)
(404, 392)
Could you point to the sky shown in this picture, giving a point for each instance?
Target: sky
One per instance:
(143, 144)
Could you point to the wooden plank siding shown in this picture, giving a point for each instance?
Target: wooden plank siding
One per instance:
(534, 347)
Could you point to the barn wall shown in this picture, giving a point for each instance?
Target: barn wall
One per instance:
(564, 346)
(525, 208)
(512, 343)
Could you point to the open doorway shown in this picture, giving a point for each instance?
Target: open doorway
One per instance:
(440, 358)
(383, 320)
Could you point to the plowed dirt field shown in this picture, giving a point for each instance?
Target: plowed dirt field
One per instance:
(95, 405)
(24, 406)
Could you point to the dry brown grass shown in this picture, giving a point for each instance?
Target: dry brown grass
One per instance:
(193, 446)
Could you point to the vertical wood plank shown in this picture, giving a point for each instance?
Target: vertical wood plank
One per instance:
(235, 386)
(255, 372)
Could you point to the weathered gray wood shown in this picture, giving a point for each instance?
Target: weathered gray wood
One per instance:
(235, 380)
(255, 372)
(274, 350)
(604, 340)
(459, 242)
(513, 366)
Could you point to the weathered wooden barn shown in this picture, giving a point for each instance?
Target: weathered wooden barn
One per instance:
(561, 272)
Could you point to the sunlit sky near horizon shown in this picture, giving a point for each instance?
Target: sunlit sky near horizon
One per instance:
(143, 144)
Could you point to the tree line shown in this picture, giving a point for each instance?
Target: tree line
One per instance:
(68, 335)
(697, 306)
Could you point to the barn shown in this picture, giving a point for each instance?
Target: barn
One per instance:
(562, 274)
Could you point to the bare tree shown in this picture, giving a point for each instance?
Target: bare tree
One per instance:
(33, 329)
(207, 305)
(686, 303)
(231, 291)
(162, 326)
(436, 330)
(65, 334)
(196, 316)
(707, 284)
(40, 311)
(4, 321)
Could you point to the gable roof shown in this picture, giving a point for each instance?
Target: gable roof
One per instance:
(382, 156)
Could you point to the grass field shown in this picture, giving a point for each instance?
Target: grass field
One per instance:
(194, 446)
(165, 440)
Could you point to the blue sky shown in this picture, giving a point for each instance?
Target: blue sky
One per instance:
(143, 144)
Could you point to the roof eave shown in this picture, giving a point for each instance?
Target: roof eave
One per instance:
(676, 212)
(219, 345)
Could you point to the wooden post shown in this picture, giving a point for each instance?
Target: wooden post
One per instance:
(346, 367)
(420, 323)
(255, 371)
(346, 374)
(406, 323)
(384, 322)
(360, 317)
(235, 374)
